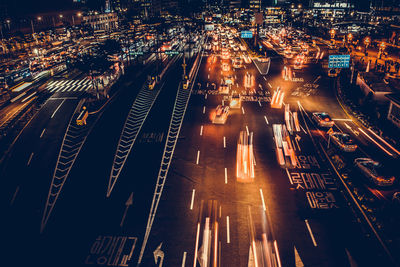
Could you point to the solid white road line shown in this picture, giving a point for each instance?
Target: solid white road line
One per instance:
(184, 259)
(196, 248)
(201, 130)
(386, 143)
(41, 135)
(226, 175)
(26, 98)
(198, 157)
(262, 199)
(29, 160)
(14, 196)
(55, 111)
(192, 201)
(243, 110)
(376, 143)
(204, 109)
(224, 142)
(311, 234)
(228, 237)
(266, 120)
(277, 253)
(247, 130)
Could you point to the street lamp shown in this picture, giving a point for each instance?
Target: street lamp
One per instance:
(381, 49)
(367, 41)
(332, 32)
(349, 37)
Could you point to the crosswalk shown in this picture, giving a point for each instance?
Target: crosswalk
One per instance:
(65, 85)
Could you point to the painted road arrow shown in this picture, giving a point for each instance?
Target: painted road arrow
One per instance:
(128, 203)
(158, 253)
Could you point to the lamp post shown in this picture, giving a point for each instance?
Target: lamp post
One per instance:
(367, 41)
(381, 49)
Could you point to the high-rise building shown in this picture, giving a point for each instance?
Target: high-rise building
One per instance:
(235, 5)
(255, 5)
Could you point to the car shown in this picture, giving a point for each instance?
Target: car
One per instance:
(374, 171)
(220, 115)
(396, 198)
(323, 119)
(229, 79)
(224, 88)
(343, 141)
(235, 48)
(225, 67)
(333, 72)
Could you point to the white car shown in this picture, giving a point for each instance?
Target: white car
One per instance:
(343, 141)
(323, 119)
(374, 171)
(220, 115)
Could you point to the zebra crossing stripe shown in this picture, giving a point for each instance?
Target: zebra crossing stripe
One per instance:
(73, 86)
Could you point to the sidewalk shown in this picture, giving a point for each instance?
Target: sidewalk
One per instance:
(381, 126)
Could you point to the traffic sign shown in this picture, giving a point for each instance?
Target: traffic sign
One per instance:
(246, 34)
(137, 53)
(339, 61)
(171, 53)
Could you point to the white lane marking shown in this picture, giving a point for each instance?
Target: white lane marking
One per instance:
(262, 199)
(259, 103)
(311, 234)
(226, 175)
(277, 253)
(198, 157)
(269, 85)
(29, 160)
(41, 135)
(373, 140)
(342, 119)
(204, 109)
(184, 259)
(205, 96)
(26, 98)
(224, 142)
(386, 143)
(243, 110)
(266, 120)
(55, 111)
(17, 97)
(247, 130)
(201, 130)
(14, 196)
(192, 201)
(208, 77)
(290, 178)
(228, 236)
(196, 248)
(220, 211)
(264, 78)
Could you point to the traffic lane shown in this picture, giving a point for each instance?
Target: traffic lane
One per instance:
(285, 205)
(97, 215)
(177, 212)
(34, 135)
(209, 183)
(31, 175)
(325, 100)
(48, 242)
